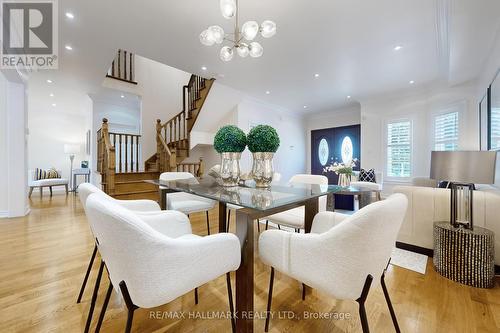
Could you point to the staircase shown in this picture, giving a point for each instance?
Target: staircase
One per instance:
(118, 154)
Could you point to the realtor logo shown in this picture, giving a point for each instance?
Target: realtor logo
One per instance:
(29, 34)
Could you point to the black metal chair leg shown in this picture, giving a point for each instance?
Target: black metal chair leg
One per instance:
(267, 224)
(389, 303)
(208, 223)
(361, 300)
(258, 225)
(269, 299)
(89, 269)
(279, 227)
(94, 297)
(130, 318)
(231, 305)
(104, 307)
(195, 295)
(303, 292)
(228, 222)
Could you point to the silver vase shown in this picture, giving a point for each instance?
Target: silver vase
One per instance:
(344, 180)
(262, 169)
(230, 169)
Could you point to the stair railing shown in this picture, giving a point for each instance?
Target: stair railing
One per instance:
(123, 67)
(106, 158)
(195, 168)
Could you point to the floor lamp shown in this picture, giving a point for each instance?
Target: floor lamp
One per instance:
(71, 150)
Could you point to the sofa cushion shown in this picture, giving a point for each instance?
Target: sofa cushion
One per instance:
(367, 176)
(49, 182)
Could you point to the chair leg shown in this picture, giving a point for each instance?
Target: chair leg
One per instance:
(104, 307)
(208, 223)
(94, 297)
(228, 221)
(130, 318)
(195, 295)
(50, 190)
(89, 268)
(361, 300)
(279, 227)
(269, 299)
(231, 305)
(31, 191)
(389, 303)
(66, 186)
(41, 191)
(130, 306)
(258, 225)
(267, 224)
(303, 292)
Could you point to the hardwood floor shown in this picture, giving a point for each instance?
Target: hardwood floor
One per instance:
(43, 258)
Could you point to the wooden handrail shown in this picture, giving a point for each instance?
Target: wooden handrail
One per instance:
(106, 158)
(196, 168)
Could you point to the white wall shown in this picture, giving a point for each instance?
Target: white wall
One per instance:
(491, 67)
(289, 159)
(13, 174)
(419, 108)
(52, 127)
(160, 89)
(350, 115)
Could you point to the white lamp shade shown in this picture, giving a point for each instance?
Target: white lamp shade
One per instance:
(249, 30)
(72, 149)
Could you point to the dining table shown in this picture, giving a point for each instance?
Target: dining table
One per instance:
(254, 203)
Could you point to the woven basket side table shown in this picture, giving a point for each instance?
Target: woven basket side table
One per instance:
(465, 255)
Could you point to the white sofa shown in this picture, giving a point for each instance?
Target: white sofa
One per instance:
(428, 205)
(51, 182)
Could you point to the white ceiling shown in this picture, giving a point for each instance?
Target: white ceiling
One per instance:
(349, 43)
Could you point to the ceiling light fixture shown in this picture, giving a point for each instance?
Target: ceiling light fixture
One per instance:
(203, 68)
(305, 106)
(268, 92)
(54, 105)
(249, 30)
(70, 15)
(397, 48)
(316, 75)
(412, 82)
(51, 95)
(49, 81)
(122, 96)
(68, 47)
(348, 96)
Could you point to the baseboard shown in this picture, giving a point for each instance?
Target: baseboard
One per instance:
(428, 252)
(416, 249)
(4, 214)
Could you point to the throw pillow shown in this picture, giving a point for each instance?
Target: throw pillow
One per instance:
(367, 176)
(46, 174)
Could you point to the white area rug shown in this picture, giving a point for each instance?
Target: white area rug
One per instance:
(409, 260)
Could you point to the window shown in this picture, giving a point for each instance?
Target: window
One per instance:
(495, 128)
(446, 131)
(399, 149)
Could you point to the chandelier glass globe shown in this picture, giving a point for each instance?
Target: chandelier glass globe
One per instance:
(226, 53)
(217, 33)
(268, 29)
(249, 30)
(243, 50)
(206, 38)
(256, 50)
(228, 8)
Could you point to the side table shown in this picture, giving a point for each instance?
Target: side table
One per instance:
(79, 172)
(465, 255)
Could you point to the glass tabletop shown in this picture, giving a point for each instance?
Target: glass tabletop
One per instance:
(249, 196)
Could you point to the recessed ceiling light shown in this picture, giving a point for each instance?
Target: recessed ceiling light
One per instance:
(203, 68)
(68, 47)
(268, 92)
(70, 15)
(348, 96)
(412, 82)
(51, 95)
(122, 96)
(305, 106)
(397, 48)
(316, 75)
(49, 81)
(54, 104)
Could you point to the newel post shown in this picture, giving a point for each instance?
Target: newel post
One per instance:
(105, 127)
(159, 148)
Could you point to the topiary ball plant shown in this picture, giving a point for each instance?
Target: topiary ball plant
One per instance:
(230, 139)
(263, 138)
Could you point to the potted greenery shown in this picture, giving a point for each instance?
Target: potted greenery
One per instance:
(263, 142)
(230, 142)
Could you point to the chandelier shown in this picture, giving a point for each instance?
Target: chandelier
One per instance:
(242, 40)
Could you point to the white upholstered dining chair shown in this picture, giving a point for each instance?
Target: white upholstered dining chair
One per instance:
(376, 186)
(151, 268)
(186, 202)
(340, 257)
(294, 217)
